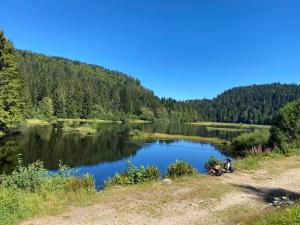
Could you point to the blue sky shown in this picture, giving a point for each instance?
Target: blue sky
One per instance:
(182, 49)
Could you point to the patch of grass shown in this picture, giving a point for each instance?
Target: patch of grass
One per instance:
(139, 121)
(288, 216)
(241, 125)
(83, 130)
(228, 129)
(253, 162)
(2, 134)
(240, 214)
(87, 120)
(29, 192)
(37, 122)
(161, 136)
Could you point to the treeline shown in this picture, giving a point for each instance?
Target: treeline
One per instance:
(79, 90)
(35, 85)
(248, 104)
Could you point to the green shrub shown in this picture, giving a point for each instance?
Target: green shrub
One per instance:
(152, 173)
(288, 216)
(211, 161)
(179, 169)
(135, 175)
(25, 177)
(76, 183)
(285, 130)
(135, 133)
(31, 189)
(244, 143)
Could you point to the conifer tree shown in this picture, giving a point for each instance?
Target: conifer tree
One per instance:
(11, 102)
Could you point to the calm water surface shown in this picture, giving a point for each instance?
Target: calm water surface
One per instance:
(106, 153)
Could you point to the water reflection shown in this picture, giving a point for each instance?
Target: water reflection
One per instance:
(110, 144)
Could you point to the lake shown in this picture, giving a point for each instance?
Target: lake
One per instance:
(107, 152)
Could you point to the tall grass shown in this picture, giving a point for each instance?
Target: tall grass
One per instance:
(287, 216)
(31, 190)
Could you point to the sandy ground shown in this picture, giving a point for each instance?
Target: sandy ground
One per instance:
(196, 200)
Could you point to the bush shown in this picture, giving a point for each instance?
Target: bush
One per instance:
(211, 161)
(25, 177)
(245, 143)
(152, 173)
(286, 126)
(77, 183)
(179, 169)
(135, 175)
(28, 189)
(135, 133)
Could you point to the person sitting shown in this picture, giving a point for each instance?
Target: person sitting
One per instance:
(216, 170)
(228, 167)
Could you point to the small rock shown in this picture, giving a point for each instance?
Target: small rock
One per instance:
(167, 181)
(284, 198)
(291, 202)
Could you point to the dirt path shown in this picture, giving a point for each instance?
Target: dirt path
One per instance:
(194, 200)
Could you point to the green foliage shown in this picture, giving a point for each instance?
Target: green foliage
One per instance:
(147, 114)
(289, 216)
(80, 90)
(31, 189)
(247, 104)
(75, 183)
(243, 144)
(179, 169)
(11, 100)
(45, 110)
(28, 178)
(135, 133)
(211, 161)
(286, 126)
(135, 175)
(252, 162)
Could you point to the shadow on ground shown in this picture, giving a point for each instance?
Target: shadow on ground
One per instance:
(268, 194)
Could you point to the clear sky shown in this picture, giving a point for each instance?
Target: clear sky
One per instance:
(182, 49)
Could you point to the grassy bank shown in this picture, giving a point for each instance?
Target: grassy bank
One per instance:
(36, 122)
(139, 121)
(254, 162)
(87, 120)
(240, 125)
(83, 130)
(227, 129)
(161, 136)
(57, 194)
(27, 192)
(288, 216)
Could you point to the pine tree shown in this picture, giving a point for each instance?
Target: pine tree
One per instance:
(11, 103)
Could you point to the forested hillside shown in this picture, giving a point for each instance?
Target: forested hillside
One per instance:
(37, 85)
(248, 104)
(79, 90)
